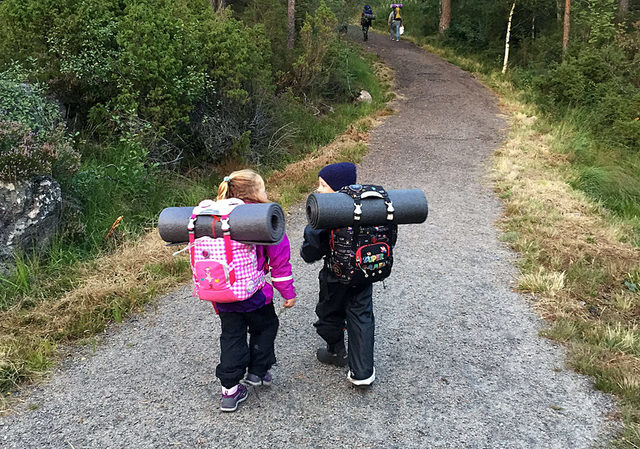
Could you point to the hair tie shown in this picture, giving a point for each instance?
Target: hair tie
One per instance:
(227, 179)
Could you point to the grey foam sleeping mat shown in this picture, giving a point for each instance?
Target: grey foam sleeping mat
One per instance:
(262, 224)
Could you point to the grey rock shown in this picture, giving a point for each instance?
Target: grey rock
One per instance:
(29, 216)
(364, 97)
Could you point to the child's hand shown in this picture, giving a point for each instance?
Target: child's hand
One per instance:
(289, 303)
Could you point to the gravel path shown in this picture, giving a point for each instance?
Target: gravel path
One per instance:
(458, 358)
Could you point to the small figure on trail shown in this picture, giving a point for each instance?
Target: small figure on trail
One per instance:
(343, 302)
(242, 363)
(395, 22)
(365, 20)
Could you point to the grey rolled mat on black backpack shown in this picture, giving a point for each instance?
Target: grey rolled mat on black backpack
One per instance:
(262, 224)
(335, 210)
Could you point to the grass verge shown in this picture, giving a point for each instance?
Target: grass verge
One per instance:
(84, 297)
(580, 262)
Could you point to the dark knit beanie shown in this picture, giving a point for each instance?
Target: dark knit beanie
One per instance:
(339, 175)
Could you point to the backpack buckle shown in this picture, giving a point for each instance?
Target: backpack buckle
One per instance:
(390, 210)
(357, 211)
(224, 221)
(192, 223)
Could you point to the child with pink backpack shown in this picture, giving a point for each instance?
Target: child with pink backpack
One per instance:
(242, 298)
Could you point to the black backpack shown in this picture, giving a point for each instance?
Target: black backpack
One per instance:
(363, 253)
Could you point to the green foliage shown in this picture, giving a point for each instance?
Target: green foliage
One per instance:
(26, 103)
(595, 78)
(595, 20)
(155, 58)
(32, 136)
(316, 38)
(272, 15)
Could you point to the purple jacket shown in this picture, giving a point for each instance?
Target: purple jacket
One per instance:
(274, 259)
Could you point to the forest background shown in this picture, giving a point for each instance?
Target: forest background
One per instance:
(592, 84)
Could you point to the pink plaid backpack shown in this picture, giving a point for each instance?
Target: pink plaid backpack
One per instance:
(224, 270)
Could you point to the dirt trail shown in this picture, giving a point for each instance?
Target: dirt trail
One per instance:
(458, 358)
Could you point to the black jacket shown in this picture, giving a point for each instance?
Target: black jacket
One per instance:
(316, 246)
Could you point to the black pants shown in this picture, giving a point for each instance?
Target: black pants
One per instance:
(235, 355)
(351, 304)
(365, 32)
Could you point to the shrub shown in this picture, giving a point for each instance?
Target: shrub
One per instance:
(154, 57)
(32, 135)
(25, 153)
(595, 78)
(26, 103)
(316, 38)
(224, 128)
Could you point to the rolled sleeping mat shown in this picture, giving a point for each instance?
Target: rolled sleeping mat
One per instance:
(257, 223)
(335, 210)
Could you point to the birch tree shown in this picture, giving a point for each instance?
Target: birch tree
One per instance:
(508, 38)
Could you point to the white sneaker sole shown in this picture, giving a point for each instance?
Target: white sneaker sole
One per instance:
(362, 382)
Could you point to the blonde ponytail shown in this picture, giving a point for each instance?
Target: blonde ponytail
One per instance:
(246, 185)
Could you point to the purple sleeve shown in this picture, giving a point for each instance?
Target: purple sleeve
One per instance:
(281, 274)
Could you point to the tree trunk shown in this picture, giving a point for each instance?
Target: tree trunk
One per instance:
(218, 5)
(533, 28)
(567, 25)
(445, 16)
(623, 9)
(559, 11)
(291, 15)
(506, 44)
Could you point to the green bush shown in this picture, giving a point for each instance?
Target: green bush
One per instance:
(595, 78)
(32, 134)
(26, 103)
(25, 153)
(317, 35)
(153, 57)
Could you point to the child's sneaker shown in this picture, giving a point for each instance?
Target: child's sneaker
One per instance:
(230, 401)
(333, 355)
(361, 382)
(256, 381)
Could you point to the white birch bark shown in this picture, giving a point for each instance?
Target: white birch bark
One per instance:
(506, 44)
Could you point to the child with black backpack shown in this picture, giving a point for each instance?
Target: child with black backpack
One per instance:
(365, 20)
(345, 296)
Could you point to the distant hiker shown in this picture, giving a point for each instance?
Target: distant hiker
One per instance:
(342, 303)
(239, 361)
(395, 22)
(365, 20)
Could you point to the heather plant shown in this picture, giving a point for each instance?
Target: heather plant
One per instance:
(25, 153)
(32, 135)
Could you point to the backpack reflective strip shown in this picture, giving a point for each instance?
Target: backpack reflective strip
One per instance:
(282, 279)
